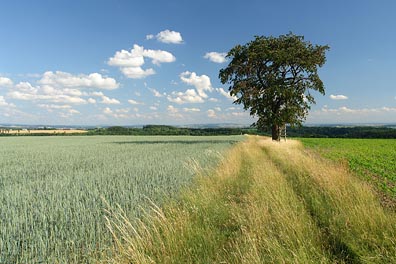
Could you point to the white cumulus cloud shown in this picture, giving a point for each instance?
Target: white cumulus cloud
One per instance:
(62, 88)
(137, 72)
(53, 106)
(201, 83)
(107, 111)
(131, 62)
(226, 94)
(191, 110)
(73, 111)
(124, 58)
(118, 113)
(172, 109)
(4, 103)
(122, 110)
(28, 92)
(168, 36)
(5, 82)
(66, 99)
(189, 96)
(134, 102)
(66, 110)
(26, 87)
(155, 92)
(91, 100)
(239, 114)
(135, 57)
(68, 113)
(216, 57)
(107, 100)
(159, 56)
(338, 97)
(211, 113)
(388, 109)
(174, 112)
(60, 79)
(345, 109)
(347, 114)
(96, 94)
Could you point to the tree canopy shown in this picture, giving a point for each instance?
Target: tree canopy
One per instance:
(273, 76)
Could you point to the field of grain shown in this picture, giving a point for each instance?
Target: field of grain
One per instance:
(41, 131)
(52, 188)
(372, 159)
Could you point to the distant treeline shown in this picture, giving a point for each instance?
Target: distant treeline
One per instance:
(169, 130)
(312, 131)
(342, 132)
(315, 132)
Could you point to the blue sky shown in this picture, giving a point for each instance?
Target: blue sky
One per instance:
(157, 62)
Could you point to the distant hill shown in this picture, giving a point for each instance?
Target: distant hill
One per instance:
(314, 131)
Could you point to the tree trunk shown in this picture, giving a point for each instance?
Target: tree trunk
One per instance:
(275, 133)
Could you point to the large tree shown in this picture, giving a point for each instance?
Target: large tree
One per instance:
(273, 76)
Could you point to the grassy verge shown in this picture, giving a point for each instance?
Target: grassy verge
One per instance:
(373, 160)
(356, 227)
(266, 203)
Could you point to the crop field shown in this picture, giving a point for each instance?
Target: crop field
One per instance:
(52, 189)
(372, 159)
(266, 202)
(41, 131)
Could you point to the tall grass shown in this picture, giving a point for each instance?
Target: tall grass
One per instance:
(266, 203)
(51, 209)
(373, 160)
(244, 212)
(357, 229)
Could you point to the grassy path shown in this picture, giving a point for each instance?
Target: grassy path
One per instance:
(266, 203)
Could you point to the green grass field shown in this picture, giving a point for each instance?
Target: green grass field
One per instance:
(267, 202)
(51, 188)
(256, 201)
(372, 159)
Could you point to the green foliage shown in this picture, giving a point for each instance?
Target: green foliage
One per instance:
(168, 131)
(272, 77)
(342, 132)
(51, 187)
(372, 159)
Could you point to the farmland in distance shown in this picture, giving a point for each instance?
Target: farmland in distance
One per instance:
(51, 188)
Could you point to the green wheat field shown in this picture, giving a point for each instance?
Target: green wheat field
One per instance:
(54, 190)
(184, 199)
